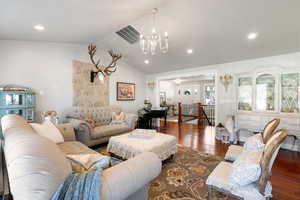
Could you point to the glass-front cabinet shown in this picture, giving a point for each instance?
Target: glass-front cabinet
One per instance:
(275, 92)
(290, 93)
(245, 93)
(18, 100)
(265, 92)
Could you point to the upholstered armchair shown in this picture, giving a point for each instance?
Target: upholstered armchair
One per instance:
(260, 189)
(100, 130)
(235, 150)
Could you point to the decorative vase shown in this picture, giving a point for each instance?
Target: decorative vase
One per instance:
(230, 126)
(219, 129)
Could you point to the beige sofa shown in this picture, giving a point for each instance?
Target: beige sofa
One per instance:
(37, 166)
(103, 130)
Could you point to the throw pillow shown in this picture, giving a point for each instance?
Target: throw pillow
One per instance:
(118, 119)
(254, 142)
(84, 162)
(90, 122)
(48, 129)
(246, 169)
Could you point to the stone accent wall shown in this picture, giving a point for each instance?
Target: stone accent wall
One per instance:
(85, 93)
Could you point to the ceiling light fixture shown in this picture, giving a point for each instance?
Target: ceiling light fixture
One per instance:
(252, 36)
(150, 43)
(39, 27)
(146, 62)
(189, 51)
(178, 81)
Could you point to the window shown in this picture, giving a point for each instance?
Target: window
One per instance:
(265, 92)
(245, 94)
(209, 95)
(290, 93)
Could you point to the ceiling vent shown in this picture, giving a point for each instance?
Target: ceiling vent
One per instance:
(130, 34)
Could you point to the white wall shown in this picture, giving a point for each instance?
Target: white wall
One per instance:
(226, 101)
(47, 68)
(126, 73)
(169, 87)
(193, 87)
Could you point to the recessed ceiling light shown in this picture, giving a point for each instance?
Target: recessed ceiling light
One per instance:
(146, 61)
(252, 36)
(189, 51)
(178, 81)
(39, 27)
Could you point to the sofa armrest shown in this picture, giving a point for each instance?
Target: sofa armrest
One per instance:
(67, 131)
(131, 120)
(83, 130)
(126, 178)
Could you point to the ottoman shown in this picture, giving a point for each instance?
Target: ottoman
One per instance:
(129, 145)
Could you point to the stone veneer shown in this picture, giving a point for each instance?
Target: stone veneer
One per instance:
(85, 93)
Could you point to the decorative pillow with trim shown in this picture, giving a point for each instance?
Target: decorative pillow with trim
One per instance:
(49, 130)
(118, 119)
(246, 169)
(84, 162)
(90, 122)
(253, 143)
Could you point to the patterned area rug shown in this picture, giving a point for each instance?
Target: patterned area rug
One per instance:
(183, 177)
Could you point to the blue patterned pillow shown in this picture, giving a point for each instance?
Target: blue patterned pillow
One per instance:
(246, 169)
(253, 143)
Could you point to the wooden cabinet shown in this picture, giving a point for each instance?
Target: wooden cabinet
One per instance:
(269, 93)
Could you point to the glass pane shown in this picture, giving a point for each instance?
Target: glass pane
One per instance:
(14, 99)
(209, 95)
(265, 92)
(29, 99)
(245, 94)
(290, 93)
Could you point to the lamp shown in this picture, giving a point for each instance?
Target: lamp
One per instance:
(150, 43)
(151, 85)
(226, 80)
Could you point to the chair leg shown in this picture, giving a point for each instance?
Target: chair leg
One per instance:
(209, 193)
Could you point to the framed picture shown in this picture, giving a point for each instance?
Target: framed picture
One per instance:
(125, 91)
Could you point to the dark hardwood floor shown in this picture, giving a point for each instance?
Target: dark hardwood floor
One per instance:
(286, 169)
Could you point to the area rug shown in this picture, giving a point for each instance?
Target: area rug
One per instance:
(184, 176)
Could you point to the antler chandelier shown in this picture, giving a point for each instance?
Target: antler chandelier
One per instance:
(150, 43)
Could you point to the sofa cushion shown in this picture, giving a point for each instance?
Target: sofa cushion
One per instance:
(220, 176)
(109, 130)
(67, 131)
(75, 148)
(101, 115)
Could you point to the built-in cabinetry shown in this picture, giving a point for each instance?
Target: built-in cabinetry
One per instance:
(17, 100)
(268, 93)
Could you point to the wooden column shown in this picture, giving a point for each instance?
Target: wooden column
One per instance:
(200, 114)
(179, 113)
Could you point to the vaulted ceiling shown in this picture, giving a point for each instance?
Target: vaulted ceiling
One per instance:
(216, 30)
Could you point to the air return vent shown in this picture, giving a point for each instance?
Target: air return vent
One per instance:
(130, 34)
